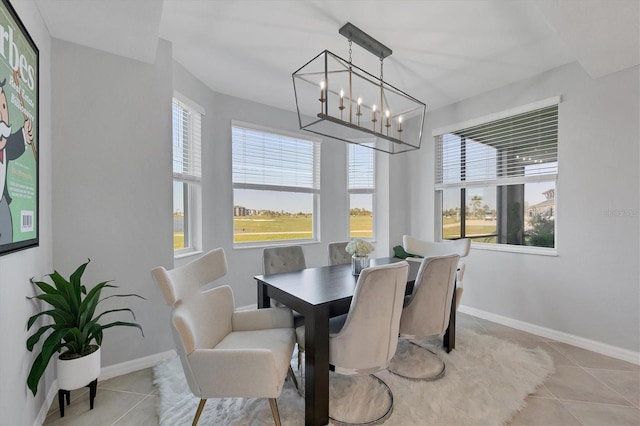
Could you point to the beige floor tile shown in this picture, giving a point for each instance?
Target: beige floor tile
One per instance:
(139, 382)
(575, 384)
(143, 414)
(627, 383)
(604, 414)
(544, 411)
(108, 407)
(589, 359)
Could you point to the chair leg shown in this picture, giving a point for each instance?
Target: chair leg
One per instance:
(198, 412)
(274, 411)
(293, 377)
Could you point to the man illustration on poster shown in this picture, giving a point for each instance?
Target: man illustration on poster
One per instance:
(12, 146)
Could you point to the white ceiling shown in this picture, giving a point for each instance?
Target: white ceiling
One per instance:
(443, 50)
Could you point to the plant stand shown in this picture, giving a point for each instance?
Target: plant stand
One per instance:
(66, 394)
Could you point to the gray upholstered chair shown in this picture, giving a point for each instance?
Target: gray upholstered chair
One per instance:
(423, 248)
(337, 253)
(224, 353)
(364, 340)
(427, 312)
(283, 259)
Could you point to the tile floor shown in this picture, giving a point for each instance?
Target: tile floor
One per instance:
(586, 389)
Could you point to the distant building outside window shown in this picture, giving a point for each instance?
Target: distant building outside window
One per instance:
(187, 118)
(276, 186)
(496, 180)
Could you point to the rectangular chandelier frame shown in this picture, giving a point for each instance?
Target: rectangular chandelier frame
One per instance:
(338, 99)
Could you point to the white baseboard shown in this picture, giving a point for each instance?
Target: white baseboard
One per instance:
(106, 373)
(581, 342)
(135, 364)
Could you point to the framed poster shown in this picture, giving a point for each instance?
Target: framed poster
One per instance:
(19, 70)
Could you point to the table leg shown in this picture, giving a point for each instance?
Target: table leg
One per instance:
(449, 340)
(316, 372)
(264, 301)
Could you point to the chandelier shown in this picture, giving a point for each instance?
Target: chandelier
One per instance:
(338, 99)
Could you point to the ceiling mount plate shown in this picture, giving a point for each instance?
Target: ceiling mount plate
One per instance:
(364, 40)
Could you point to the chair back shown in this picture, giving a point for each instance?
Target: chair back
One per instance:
(283, 259)
(429, 307)
(369, 338)
(337, 253)
(423, 248)
(199, 319)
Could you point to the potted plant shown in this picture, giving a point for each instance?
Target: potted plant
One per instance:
(75, 328)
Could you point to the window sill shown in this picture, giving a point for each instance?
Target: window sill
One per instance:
(187, 253)
(540, 251)
(265, 244)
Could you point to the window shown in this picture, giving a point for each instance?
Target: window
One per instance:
(186, 175)
(361, 161)
(276, 185)
(496, 179)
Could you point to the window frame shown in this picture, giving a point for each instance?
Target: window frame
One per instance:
(191, 180)
(495, 183)
(314, 190)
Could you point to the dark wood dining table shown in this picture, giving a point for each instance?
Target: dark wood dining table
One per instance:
(319, 294)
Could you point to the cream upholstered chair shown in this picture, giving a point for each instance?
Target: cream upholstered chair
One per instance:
(428, 309)
(423, 248)
(337, 253)
(224, 353)
(364, 340)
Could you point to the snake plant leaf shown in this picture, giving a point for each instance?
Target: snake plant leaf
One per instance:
(57, 301)
(52, 344)
(57, 315)
(124, 324)
(33, 339)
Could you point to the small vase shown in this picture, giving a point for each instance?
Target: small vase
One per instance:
(358, 263)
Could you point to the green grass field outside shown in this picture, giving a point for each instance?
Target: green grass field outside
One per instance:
(247, 229)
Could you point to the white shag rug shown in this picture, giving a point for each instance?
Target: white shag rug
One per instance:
(486, 382)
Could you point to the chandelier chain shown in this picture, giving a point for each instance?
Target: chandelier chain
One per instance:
(350, 43)
(381, 69)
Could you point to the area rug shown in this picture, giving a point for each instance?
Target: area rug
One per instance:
(486, 382)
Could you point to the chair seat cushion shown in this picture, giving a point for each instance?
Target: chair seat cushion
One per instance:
(278, 341)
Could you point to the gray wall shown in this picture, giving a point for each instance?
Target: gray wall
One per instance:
(591, 289)
(112, 174)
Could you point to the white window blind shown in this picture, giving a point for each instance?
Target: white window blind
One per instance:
(361, 168)
(516, 149)
(186, 142)
(273, 161)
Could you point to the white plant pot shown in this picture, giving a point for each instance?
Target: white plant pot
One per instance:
(79, 372)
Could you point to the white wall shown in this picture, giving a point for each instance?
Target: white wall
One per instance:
(591, 289)
(17, 404)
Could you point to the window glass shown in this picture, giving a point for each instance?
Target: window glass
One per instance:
(361, 187)
(497, 180)
(276, 185)
(186, 174)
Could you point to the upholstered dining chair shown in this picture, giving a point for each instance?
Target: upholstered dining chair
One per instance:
(364, 340)
(225, 353)
(337, 253)
(428, 310)
(422, 248)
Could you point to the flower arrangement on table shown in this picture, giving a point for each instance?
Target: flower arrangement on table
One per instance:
(359, 248)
